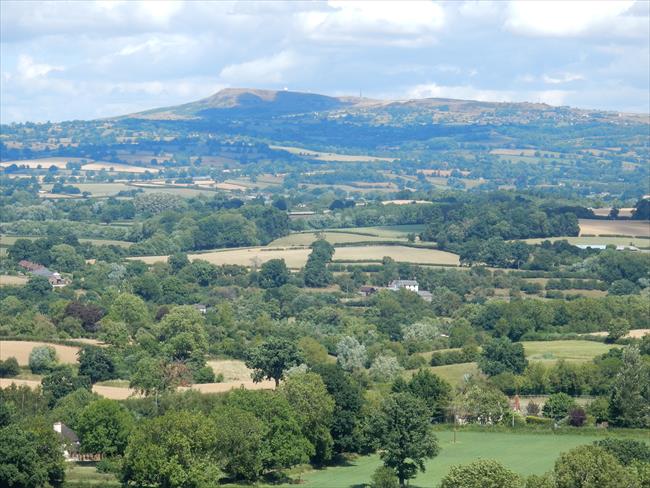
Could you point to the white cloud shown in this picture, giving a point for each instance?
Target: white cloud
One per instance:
(28, 69)
(570, 17)
(261, 71)
(405, 23)
(562, 78)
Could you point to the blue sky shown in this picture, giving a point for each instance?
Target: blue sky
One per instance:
(81, 60)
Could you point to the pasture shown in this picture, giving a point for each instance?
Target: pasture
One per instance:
(21, 350)
(525, 453)
(296, 258)
(569, 350)
(615, 227)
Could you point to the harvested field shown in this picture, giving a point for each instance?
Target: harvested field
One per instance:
(231, 369)
(307, 238)
(6, 382)
(8, 280)
(403, 202)
(21, 350)
(296, 258)
(636, 333)
(230, 186)
(616, 241)
(43, 163)
(99, 189)
(86, 165)
(323, 156)
(6, 240)
(615, 227)
(117, 167)
(604, 211)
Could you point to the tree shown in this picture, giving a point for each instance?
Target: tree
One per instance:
(307, 394)
(239, 443)
(626, 451)
(316, 274)
(481, 403)
(271, 359)
(61, 382)
(629, 404)
(433, 390)
(402, 431)
(558, 405)
(42, 359)
(484, 473)
(591, 467)
(350, 354)
(9, 367)
(348, 401)
(65, 258)
(182, 333)
(103, 427)
(617, 328)
(96, 363)
(274, 273)
(178, 261)
(177, 449)
(502, 355)
(130, 310)
(30, 457)
(577, 416)
(385, 368)
(69, 408)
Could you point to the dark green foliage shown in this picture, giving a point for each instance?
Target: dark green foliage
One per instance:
(484, 473)
(274, 273)
(502, 355)
(271, 359)
(316, 274)
(629, 403)
(626, 451)
(103, 427)
(591, 467)
(558, 406)
(96, 363)
(9, 367)
(430, 388)
(467, 354)
(402, 432)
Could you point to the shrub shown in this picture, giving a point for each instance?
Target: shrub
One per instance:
(599, 409)
(626, 451)
(484, 473)
(467, 354)
(384, 477)
(557, 406)
(533, 420)
(9, 368)
(42, 359)
(577, 416)
(532, 408)
(204, 375)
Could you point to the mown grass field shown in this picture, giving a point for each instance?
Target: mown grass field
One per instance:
(525, 453)
(573, 351)
(21, 350)
(296, 258)
(615, 227)
(616, 241)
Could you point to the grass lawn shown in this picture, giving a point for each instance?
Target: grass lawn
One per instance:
(574, 351)
(526, 453)
(85, 474)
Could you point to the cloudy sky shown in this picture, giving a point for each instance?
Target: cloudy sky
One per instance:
(73, 60)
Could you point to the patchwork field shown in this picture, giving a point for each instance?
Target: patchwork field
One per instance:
(21, 350)
(307, 238)
(636, 333)
(573, 351)
(296, 258)
(615, 227)
(86, 165)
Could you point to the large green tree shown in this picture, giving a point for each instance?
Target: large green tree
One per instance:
(629, 403)
(103, 427)
(272, 358)
(402, 432)
(592, 467)
(501, 356)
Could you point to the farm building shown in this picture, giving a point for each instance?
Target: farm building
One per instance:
(410, 285)
(71, 444)
(55, 279)
(604, 246)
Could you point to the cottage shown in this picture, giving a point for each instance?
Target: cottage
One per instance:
(367, 290)
(201, 308)
(410, 285)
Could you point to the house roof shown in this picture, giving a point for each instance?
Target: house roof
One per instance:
(404, 282)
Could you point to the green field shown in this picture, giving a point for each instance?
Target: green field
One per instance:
(85, 474)
(525, 453)
(574, 351)
(306, 238)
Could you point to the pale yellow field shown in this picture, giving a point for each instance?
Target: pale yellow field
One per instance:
(21, 350)
(60, 163)
(296, 258)
(7, 280)
(232, 369)
(615, 227)
(98, 189)
(43, 163)
(117, 167)
(617, 241)
(322, 156)
(604, 211)
(230, 186)
(306, 238)
(636, 333)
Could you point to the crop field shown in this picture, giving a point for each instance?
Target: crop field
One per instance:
(323, 156)
(615, 227)
(21, 350)
(386, 231)
(604, 211)
(8, 280)
(60, 163)
(616, 241)
(525, 453)
(6, 240)
(573, 351)
(636, 333)
(98, 189)
(296, 258)
(306, 238)
(231, 369)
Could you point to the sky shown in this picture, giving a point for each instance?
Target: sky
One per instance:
(86, 60)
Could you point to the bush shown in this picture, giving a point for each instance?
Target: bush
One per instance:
(533, 420)
(484, 473)
(627, 451)
(557, 406)
(599, 409)
(9, 368)
(467, 354)
(42, 359)
(204, 375)
(384, 477)
(577, 416)
(532, 408)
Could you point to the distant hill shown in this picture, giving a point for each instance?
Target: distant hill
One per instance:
(257, 103)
